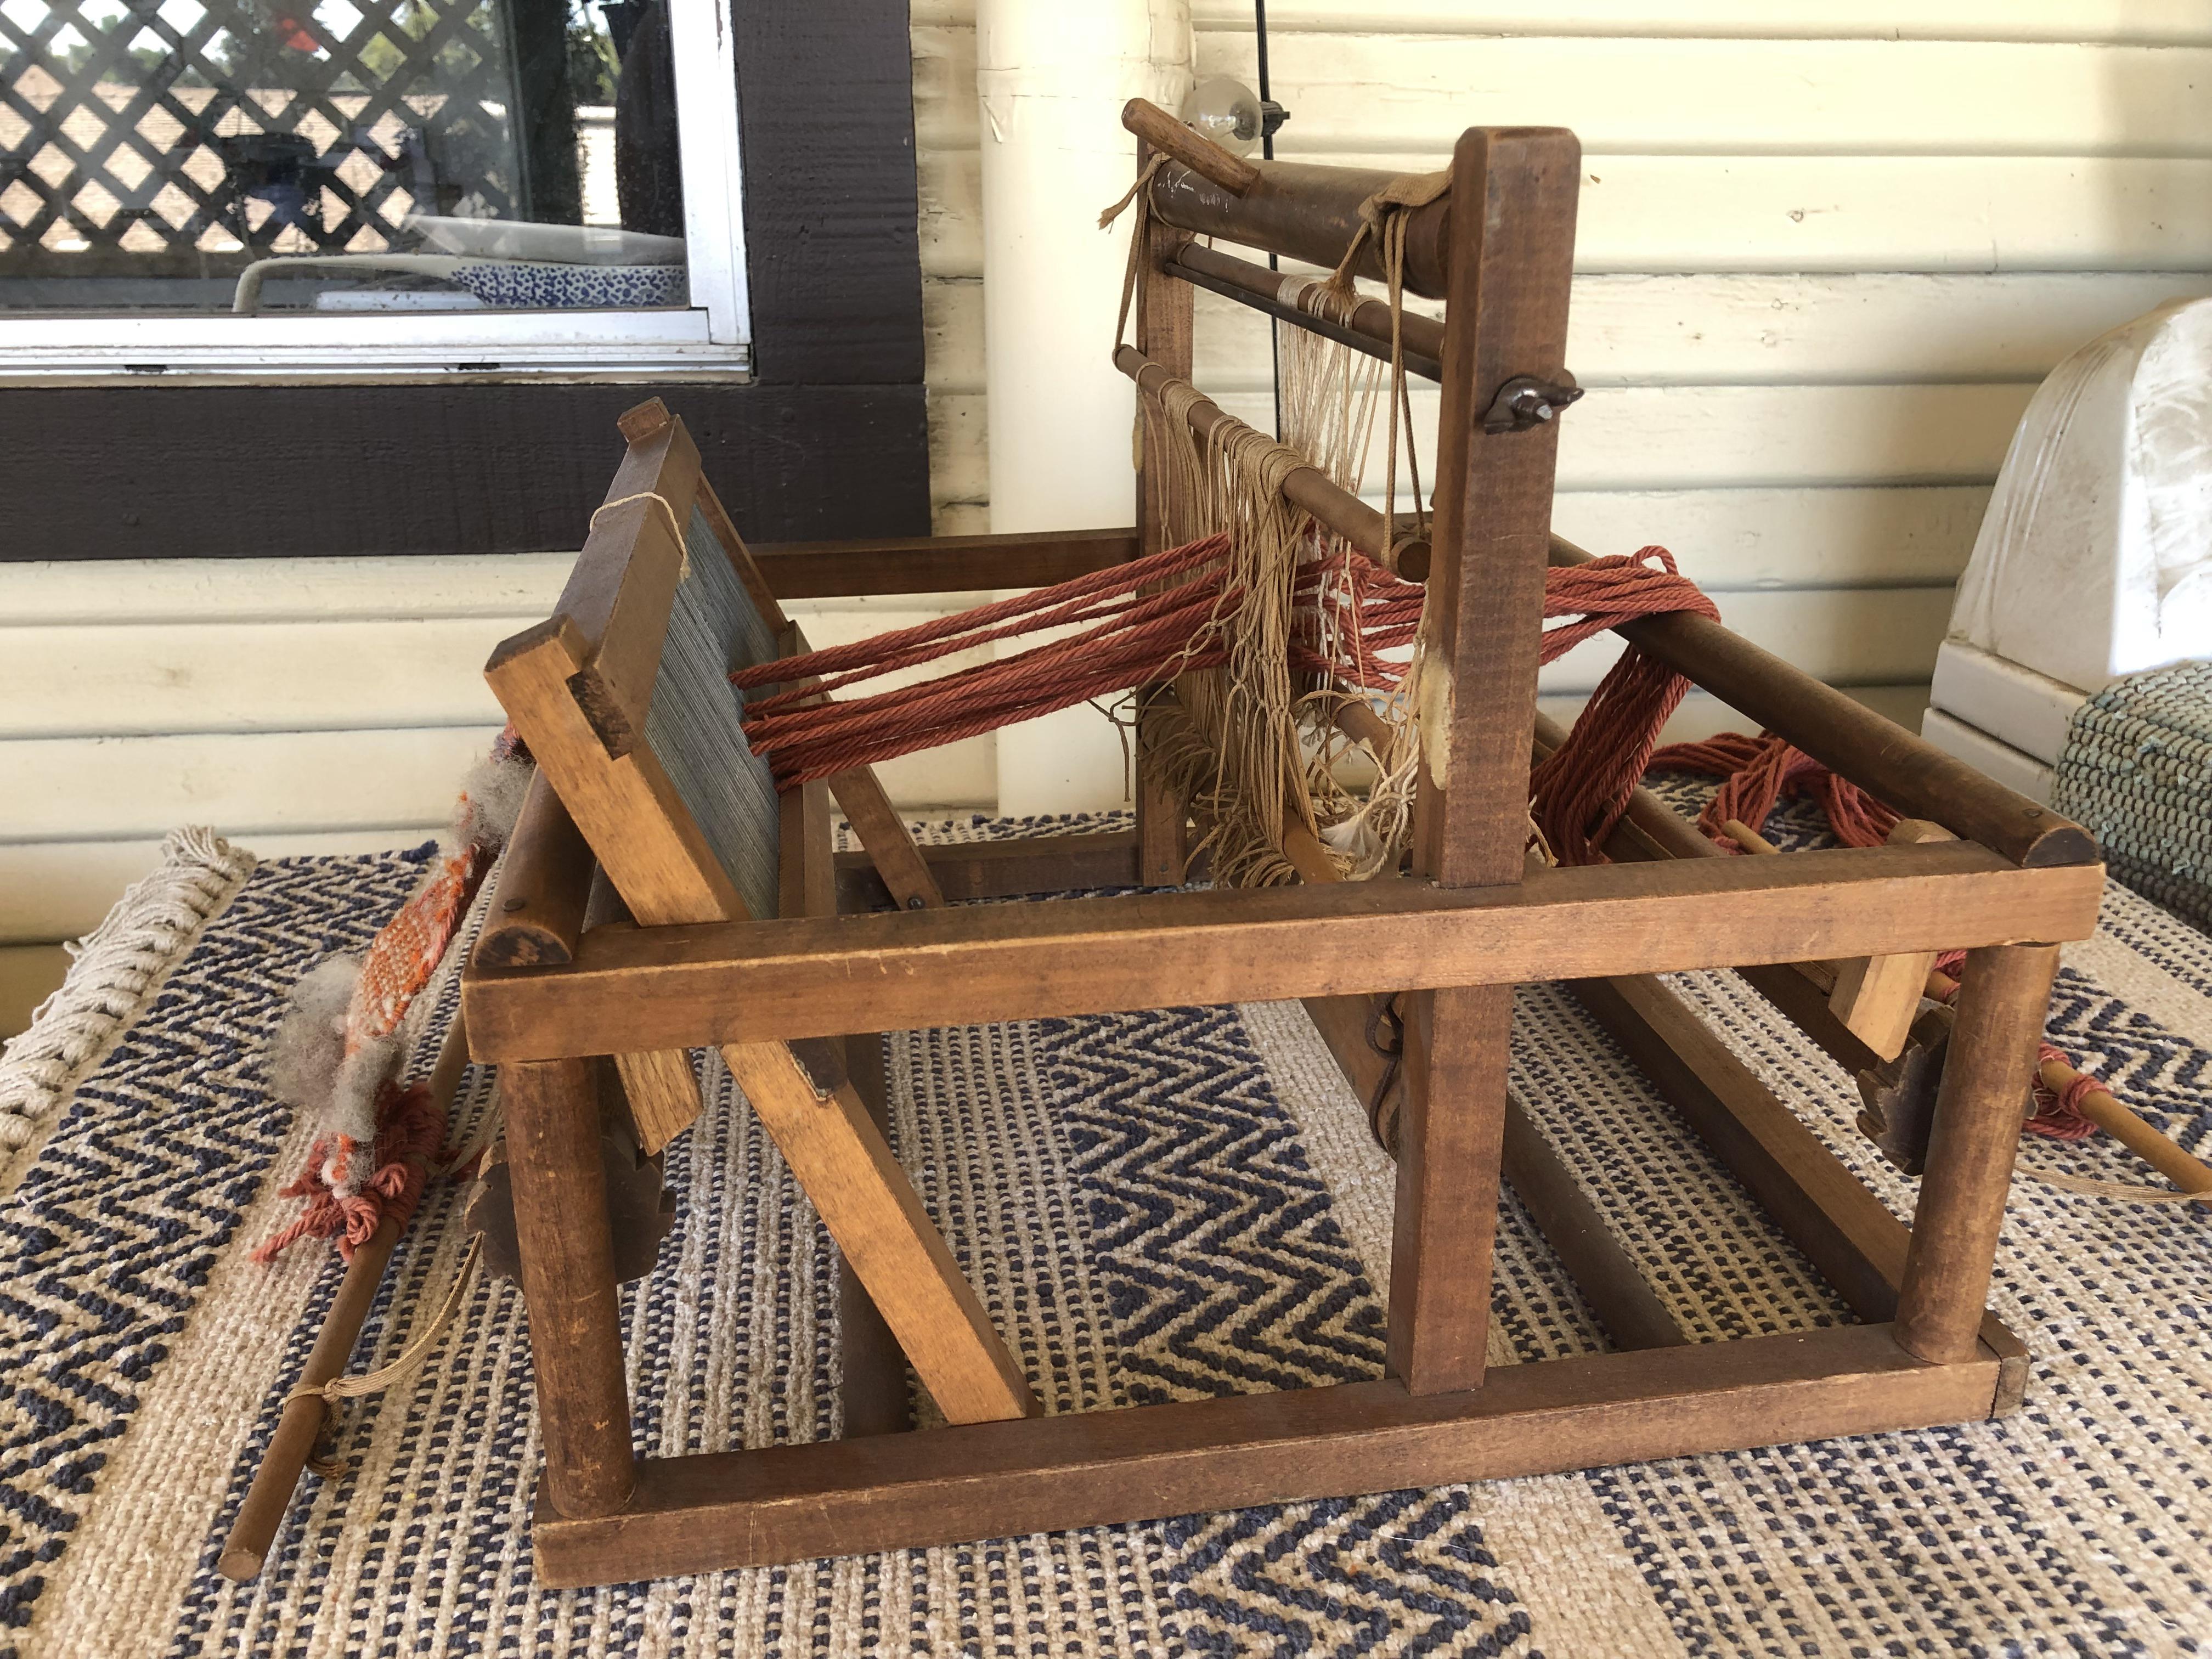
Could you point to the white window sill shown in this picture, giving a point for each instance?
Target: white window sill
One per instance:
(416, 345)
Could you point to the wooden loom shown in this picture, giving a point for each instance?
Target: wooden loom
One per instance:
(737, 941)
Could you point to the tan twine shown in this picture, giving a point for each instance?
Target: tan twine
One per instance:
(1260, 753)
(1370, 833)
(402, 1365)
(409, 1359)
(2125, 1192)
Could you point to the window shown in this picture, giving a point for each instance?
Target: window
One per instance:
(343, 187)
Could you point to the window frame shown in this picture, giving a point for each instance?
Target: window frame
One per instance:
(712, 334)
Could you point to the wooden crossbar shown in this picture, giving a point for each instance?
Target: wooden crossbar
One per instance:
(677, 986)
(1094, 1468)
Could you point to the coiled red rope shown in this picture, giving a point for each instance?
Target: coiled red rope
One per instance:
(1758, 772)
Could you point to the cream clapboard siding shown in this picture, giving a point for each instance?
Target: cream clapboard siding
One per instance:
(1825, 253)
(297, 705)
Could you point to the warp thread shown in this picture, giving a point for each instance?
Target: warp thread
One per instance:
(1127, 638)
(1346, 612)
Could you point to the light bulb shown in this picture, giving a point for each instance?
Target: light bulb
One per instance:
(1226, 109)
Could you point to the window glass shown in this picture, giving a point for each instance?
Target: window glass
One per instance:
(284, 157)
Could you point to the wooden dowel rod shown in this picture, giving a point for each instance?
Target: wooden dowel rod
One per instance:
(1367, 329)
(1308, 213)
(2003, 996)
(561, 1233)
(1188, 146)
(1748, 838)
(537, 915)
(2098, 1105)
(1917, 778)
(301, 1423)
(1308, 487)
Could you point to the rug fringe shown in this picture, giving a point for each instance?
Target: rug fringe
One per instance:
(115, 969)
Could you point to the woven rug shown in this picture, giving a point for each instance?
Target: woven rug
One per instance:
(2136, 768)
(1154, 1207)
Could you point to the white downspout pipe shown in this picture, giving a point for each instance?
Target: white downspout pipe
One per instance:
(1051, 76)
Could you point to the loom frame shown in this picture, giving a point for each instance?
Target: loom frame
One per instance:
(1458, 934)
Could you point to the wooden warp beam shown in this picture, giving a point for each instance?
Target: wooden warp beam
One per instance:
(1308, 213)
(1276, 293)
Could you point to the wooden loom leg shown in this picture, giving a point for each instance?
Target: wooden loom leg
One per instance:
(1451, 1143)
(873, 1211)
(1606, 1277)
(875, 1369)
(568, 1281)
(874, 1382)
(874, 1388)
(2004, 997)
(1165, 333)
(1506, 316)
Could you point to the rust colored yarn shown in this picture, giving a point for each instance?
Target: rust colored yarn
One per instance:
(1128, 639)
(1758, 772)
(1347, 613)
(411, 1127)
(1577, 795)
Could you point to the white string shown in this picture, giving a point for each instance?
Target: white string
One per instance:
(676, 530)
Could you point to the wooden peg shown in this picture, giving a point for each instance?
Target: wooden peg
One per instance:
(2102, 1108)
(1748, 838)
(641, 421)
(1185, 144)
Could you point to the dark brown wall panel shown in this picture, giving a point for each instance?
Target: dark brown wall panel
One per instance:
(825, 111)
(284, 471)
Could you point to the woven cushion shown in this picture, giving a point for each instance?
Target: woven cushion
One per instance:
(2136, 769)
